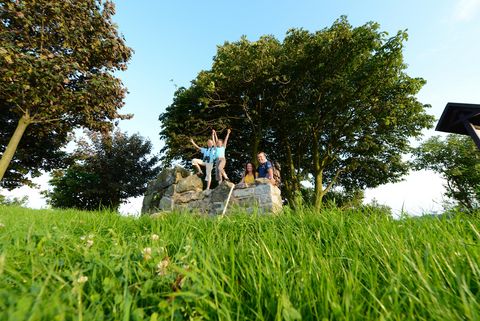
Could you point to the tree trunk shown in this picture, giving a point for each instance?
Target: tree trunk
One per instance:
(292, 185)
(7, 156)
(319, 192)
(255, 146)
(317, 172)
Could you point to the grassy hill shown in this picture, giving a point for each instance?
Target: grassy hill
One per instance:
(72, 265)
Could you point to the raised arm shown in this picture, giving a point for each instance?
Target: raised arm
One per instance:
(226, 137)
(214, 137)
(195, 145)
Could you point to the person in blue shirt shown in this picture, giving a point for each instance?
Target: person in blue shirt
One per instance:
(265, 169)
(209, 156)
(221, 159)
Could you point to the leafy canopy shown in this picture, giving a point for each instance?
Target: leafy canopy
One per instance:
(57, 64)
(109, 169)
(457, 159)
(334, 106)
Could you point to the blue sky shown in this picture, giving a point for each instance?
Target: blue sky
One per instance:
(174, 40)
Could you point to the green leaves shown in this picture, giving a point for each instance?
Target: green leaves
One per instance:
(334, 104)
(109, 169)
(57, 61)
(457, 159)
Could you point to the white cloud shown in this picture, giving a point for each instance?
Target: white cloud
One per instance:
(466, 10)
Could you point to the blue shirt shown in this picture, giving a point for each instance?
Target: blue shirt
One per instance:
(209, 154)
(263, 169)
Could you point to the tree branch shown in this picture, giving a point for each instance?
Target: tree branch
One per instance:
(334, 180)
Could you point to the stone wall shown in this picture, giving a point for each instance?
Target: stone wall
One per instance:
(176, 188)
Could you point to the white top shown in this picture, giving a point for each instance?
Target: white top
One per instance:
(221, 152)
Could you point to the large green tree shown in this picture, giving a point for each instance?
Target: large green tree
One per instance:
(354, 101)
(57, 64)
(334, 106)
(109, 169)
(39, 150)
(457, 159)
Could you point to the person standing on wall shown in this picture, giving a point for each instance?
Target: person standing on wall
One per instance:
(221, 159)
(209, 156)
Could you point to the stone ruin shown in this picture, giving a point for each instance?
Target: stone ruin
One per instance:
(178, 189)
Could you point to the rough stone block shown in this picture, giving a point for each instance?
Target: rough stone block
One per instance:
(146, 204)
(263, 189)
(276, 207)
(198, 205)
(187, 197)
(220, 193)
(164, 179)
(168, 177)
(262, 181)
(157, 188)
(217, 207)
(190, 183)
(247, 202)
(180, 173)
(263, 199)
(244, 192)
(170, 190)
(276, 191)
(277, 199)
(166, 204)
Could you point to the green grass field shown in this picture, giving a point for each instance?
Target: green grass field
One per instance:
(71, 265)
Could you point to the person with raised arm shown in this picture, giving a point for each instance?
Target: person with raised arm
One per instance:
(221, 159)
(209, 156)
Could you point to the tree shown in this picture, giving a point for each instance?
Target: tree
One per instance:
(39, 150)
(109, 169)
(457, 160)
(13, 201)
(334, 107)
(356, 104)
(57, 61)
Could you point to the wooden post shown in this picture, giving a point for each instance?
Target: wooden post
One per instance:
(228, 199)
(473, 131)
